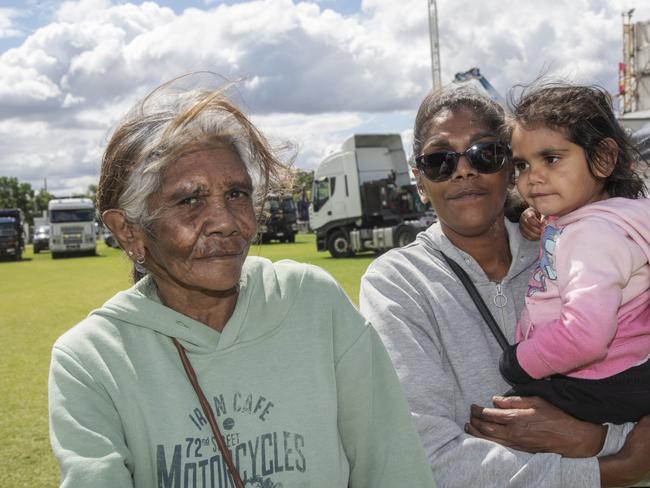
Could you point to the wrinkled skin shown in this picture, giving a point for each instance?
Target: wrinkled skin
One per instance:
(196, 247)
(203, 234)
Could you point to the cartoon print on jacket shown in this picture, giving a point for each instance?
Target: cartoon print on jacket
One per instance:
(546, 267)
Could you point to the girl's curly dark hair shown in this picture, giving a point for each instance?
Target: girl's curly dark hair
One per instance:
(584, 113)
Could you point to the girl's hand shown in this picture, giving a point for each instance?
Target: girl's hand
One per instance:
(533, 425)
(632, 463)
(531, 224)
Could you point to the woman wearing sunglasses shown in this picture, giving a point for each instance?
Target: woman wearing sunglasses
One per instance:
(445, 355)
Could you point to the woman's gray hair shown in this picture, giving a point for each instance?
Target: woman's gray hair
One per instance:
(168, 124)
(454, 98)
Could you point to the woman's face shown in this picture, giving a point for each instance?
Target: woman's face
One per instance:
(207, 222)
(469, 203)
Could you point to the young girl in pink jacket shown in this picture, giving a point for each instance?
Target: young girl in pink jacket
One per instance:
(583, 340)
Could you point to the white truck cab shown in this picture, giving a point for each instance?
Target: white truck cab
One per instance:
(364, 198)
(72, 226)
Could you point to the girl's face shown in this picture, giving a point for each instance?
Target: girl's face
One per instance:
(552, 172)
(469, 203)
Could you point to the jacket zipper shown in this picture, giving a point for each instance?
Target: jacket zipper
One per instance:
(500, 301)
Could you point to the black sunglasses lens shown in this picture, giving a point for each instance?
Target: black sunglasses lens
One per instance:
(437, 166)
(487, 157)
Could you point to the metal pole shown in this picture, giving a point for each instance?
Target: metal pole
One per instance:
(634, 94)
(629, 75)
(435, 47)
(622, 69)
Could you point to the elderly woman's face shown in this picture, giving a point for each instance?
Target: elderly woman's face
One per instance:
(468, 203)
(201, 239)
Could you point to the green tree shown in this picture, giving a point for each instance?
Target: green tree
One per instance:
(41, 199)
(303, 180)
(14, 194)
(91, 193)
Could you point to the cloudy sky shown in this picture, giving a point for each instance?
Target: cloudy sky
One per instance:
(312, 72)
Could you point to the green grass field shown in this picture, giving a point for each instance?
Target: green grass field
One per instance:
(41, 298)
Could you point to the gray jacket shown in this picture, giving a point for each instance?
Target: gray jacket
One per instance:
(447, 359)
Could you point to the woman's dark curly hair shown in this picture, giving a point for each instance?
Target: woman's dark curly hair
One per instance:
(584, 113)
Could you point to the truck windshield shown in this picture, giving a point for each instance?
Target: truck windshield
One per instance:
(7, 228)
(321, 192)
(288, 205)
(271, 206)
(72, 215)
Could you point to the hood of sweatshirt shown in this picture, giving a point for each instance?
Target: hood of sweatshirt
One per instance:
(631, 215)
(267, 292)
(524, 252)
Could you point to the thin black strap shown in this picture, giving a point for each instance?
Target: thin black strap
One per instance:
(478, 301)
(205, 406)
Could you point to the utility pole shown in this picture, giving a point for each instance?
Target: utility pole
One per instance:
(435, 47)
(628, 88)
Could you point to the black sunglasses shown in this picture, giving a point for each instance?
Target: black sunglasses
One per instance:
(484, 157)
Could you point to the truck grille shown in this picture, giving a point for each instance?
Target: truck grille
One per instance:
(71, 240)
(72, 235)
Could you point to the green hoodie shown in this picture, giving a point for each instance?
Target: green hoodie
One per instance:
(302, 389)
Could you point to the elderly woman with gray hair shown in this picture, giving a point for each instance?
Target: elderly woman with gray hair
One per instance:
(217, 369)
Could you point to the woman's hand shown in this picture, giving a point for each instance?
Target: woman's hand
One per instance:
(531, 224)
(632, 463)
(533, 425)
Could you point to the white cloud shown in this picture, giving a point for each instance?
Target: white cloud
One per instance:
(7, 25)
(313, 136)
(26, 86)
(311, 75)
(81, 11)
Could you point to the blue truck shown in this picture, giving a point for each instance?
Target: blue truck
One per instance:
(12, 235)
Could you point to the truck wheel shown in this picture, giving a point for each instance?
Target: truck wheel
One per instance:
(292, 238)
(338, 245)
(405, 235)
(37, 250)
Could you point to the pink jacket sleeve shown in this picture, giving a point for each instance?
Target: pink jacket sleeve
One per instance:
(593, 263)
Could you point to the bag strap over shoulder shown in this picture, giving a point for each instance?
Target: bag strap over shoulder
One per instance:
(478, 301)
(205, 406)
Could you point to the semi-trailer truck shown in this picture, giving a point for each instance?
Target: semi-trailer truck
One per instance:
(364, 198)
